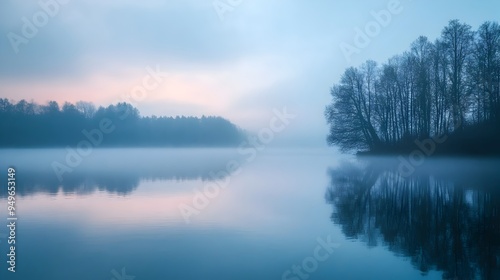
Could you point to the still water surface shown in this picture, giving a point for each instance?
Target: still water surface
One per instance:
(117, 216)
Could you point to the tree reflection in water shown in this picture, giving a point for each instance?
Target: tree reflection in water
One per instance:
(445, 216)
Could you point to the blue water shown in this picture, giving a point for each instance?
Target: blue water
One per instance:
(275, 214)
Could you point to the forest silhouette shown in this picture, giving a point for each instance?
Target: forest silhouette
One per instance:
(449, 87)
(28, 124)
(444, 219)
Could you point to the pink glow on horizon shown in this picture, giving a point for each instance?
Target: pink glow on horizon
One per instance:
(217, 90)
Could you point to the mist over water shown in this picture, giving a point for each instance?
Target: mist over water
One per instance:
(112, 170)
(120, 208)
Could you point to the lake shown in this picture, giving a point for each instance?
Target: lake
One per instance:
(264, 214)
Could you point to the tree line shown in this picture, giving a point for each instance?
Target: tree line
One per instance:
(447, 87)
(28, 124)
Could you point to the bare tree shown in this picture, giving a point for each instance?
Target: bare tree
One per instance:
(431, 90)
(350, 115)
(487, 67)
(458, 39)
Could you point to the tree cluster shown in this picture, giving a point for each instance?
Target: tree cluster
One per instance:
(436, 88)
(28, 124)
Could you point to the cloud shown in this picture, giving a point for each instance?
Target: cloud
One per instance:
(264, 54)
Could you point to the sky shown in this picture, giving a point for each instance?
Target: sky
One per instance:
(239, 59)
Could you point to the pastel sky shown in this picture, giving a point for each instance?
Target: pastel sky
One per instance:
(239, 62)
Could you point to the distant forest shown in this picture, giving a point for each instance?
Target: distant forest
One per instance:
(447, 87)
(27, 124)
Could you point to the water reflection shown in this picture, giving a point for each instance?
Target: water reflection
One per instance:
(446, 216)
(115, 171)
